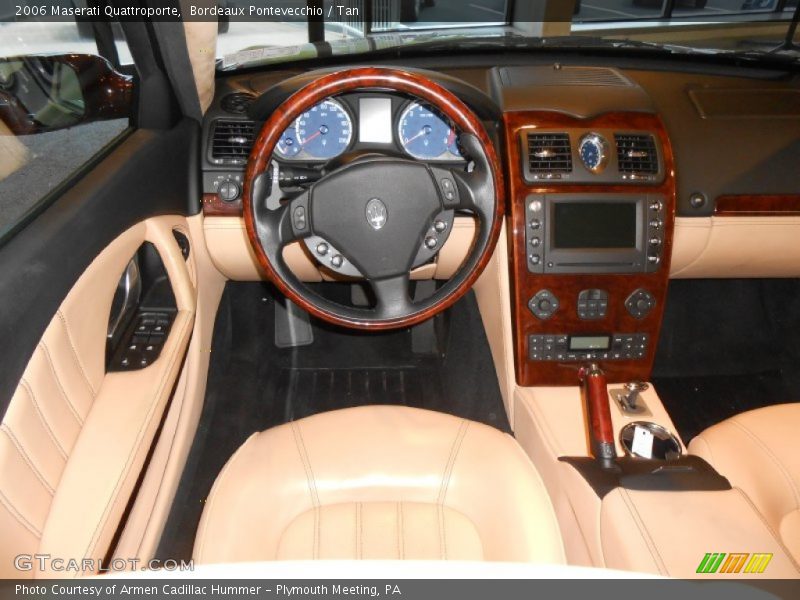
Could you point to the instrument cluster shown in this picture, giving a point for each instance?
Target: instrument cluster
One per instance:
(369, 122)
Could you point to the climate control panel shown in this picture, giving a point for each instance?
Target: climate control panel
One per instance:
(575, 348)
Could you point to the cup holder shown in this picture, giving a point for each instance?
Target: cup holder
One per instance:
(644, 439)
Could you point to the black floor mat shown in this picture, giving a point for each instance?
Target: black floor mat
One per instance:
(727, 346)
(253, 385)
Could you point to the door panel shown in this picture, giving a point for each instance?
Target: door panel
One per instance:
(150, 173)
(75, 437)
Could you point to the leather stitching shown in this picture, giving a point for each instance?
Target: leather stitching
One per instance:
(643, 531)
(311, 482)
(772, 532)
(454, 450)
(771, 455)
(359, 531)
(75, 353)
(69, 403)
(442, 553)
(26, 386)
(137, 443)
(19, 516)
(25, 457)
(399, 517)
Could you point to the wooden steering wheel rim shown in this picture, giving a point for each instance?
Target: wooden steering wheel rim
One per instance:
(358, 79)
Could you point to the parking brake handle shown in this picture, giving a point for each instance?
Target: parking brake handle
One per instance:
(601, 431)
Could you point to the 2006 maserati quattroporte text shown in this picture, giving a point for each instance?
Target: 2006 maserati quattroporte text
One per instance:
(385, 291)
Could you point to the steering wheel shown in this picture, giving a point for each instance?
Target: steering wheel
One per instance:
(384, 215)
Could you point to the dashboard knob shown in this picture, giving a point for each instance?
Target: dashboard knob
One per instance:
(655, 241)
(535, 224)
(229, 191)
(656, 224)
(535, 242)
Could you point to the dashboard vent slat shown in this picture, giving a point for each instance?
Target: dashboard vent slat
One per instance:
(232, 141)
(636, 154)
(549, 154)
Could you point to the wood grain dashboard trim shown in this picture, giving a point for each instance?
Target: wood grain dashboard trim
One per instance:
(786, 205)
(214, 206)
(567, 287)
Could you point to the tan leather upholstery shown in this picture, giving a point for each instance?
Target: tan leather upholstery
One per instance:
(379, 482)
(74, 438)
(759, 452)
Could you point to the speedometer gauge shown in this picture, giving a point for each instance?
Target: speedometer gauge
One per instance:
(324, 131)
(426, 135)
(593, 150)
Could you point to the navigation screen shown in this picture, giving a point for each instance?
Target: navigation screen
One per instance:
(594, 225)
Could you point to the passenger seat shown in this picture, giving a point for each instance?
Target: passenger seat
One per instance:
(759, 452)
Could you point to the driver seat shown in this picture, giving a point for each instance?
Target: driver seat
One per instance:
(379, 482)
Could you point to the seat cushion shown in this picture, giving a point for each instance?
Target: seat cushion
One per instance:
(379, 482)
(759, 452)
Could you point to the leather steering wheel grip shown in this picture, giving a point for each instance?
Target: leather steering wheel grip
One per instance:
(420, 87)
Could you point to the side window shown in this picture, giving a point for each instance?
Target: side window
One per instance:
(66, 91)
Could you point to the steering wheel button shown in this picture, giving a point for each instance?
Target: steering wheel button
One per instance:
(322, 249)
(430, 242)
(439, 226)
(337, 261)
(299, 218)
(447, 185)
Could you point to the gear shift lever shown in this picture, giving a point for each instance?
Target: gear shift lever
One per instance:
(601, 430)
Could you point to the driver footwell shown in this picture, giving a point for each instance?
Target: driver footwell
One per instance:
(254, 385)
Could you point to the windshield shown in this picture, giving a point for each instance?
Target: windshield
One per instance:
(256, 32)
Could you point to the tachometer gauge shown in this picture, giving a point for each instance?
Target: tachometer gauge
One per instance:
(593, 150)
(288, 146)
(426, 135)
(324, 131)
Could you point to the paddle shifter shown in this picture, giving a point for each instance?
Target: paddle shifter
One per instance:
(601, 431)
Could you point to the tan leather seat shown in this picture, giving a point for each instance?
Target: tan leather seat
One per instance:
(759, 452)
(379, 482)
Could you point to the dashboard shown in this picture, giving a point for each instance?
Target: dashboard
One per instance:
(618, 178)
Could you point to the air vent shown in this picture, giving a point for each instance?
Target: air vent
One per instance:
(232, 141)
(549, 155)
(237, 104)
(636, 155)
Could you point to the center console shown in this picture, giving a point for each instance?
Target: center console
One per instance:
(592, 216)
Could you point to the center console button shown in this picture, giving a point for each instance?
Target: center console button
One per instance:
(543, 305)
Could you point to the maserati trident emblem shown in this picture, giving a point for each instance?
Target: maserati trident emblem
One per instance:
(376, 214)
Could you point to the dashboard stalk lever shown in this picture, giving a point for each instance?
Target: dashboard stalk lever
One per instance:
(594, 390)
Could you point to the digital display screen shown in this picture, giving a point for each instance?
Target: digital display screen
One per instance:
(587, 342)
(594, 225)
(375, 120)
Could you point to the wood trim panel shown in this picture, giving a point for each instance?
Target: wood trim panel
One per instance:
(567, 287)
(758, 205)
(377, 78)
(214, 206)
